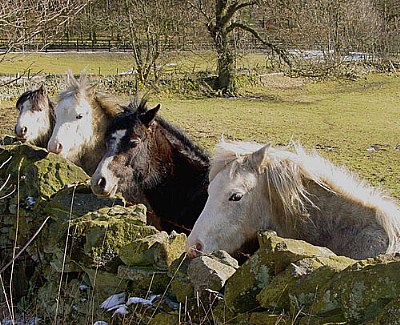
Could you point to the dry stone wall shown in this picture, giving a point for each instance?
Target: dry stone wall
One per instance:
(99, 260)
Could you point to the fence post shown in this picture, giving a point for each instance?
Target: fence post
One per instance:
(77, 45)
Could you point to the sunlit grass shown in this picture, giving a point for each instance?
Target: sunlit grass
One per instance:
(105, 63)
(341, 118)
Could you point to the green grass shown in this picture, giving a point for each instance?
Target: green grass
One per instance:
(104, 63)
(342, 119)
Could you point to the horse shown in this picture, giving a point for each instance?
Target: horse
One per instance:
(82, 117)
(299, 195)
(149, 158)
(36, 117)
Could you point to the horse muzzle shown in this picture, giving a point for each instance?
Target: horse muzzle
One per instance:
(194, 250)
(100, 187)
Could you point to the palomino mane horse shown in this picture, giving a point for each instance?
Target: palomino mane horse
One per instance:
(149, 158)
(299, 195)
(82, 117)
(36, 117)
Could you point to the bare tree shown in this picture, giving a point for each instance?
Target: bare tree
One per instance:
(223, 19)
(22, 22)
(147, 23)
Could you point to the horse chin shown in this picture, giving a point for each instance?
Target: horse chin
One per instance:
(22, 139)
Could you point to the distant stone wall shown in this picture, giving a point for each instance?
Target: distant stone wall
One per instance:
(96, 259)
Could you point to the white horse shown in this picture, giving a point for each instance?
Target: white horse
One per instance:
(82, 118)
(299, 195)
(36, 118)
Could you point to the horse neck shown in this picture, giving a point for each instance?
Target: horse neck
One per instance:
(92, 151)
(176, 184)
(184, 155)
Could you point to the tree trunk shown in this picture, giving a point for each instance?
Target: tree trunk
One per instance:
(225, 65)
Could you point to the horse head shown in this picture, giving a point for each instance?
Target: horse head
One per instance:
(35, 121)
(231, 214)
(128, 138)
(82, 116)
(73, 117)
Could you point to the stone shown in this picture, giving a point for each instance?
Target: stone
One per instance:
(104, 283)
(361, 291)
(37, 174)
(207, 272)
(76, 200)
(274, 255)
(181, 286)
(296, 286)
(158, 250)
(390, 314)
(302, 294)
(104, 232)
(144, 278)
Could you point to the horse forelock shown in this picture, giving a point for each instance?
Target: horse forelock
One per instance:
(227, 152)
(75, 87)
(27, 95)
(137, 104)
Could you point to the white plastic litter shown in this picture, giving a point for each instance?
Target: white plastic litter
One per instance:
(113, 300)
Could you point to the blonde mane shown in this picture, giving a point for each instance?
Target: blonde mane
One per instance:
(287, 173)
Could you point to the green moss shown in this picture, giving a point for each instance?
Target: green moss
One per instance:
(104, 234)
(360, 291)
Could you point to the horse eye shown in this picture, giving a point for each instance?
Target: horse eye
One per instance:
(236, 197)
(135, 142)
(79, 116)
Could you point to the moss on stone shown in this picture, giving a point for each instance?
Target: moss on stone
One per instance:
(103, 235)
(360, 291)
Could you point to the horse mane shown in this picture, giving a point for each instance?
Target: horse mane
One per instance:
(178, 139)
(81, 86)
(286, 173)
(107, 103)
(183, 144)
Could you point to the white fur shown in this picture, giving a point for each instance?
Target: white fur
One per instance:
(103, 169)
(69, 131)
(36, 122)
(299, 195)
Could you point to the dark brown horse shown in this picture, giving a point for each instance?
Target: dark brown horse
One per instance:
(36, 117)
(149, 158)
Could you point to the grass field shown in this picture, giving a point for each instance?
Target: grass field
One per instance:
(342, 120)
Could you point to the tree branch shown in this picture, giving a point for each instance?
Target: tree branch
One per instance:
(280, 51)
(233, 8)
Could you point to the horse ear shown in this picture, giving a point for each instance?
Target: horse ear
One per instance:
(148, 117)
(259, 157)
(43, 90)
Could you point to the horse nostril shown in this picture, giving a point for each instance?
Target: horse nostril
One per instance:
(24, 130)
(59, 147)
(101, 183)
(198, 246)
(196, 249)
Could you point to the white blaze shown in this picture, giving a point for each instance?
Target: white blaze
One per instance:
(71, 130)
(37, 123)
